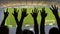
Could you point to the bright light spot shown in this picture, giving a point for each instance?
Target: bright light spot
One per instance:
(31, 29)
(27, 25)
(9, 25)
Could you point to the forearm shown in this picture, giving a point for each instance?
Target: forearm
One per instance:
(42, 26)
(17, 22)
(58, 20)
(3, 22)
(21, 22)
(36, 26)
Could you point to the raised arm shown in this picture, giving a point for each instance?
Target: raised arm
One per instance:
(15, 14)
(23, 15)
(43, 16)
(54, 10)
(19, 23)
(5, 16)
(34, 15)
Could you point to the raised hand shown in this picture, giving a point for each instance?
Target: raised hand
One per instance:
(5, 16)
(54, 9)
(24, 12)
(55, 12)
(15, 14)
(43, 14)
(42, 26)
(6, 13)
(34, 13)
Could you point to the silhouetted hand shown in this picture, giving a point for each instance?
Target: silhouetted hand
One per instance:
(34, 13)
(54, 9)
(43, 14)
(6, 13)
(42, 26)
(15, 14)
(24, 13)
(5, 16)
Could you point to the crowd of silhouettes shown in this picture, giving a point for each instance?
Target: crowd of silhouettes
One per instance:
(5, 30)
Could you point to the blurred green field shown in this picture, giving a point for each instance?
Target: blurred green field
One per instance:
(10, 21)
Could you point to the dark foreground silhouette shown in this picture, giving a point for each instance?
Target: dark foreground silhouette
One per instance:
(3, 28)
(42, 24)
(55, 30)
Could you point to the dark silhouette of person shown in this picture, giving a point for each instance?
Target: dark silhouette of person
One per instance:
(18, 30)
(19, 23)
(3, 28)
(25, 31)
(34, 15)
(55, 30)
(43, 16)
(24, 14)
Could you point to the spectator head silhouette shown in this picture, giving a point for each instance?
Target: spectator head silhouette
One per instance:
(25, 31)
(18, 30)
(54, 30)
(4, 30)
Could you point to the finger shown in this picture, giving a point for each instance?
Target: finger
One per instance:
(57, 8)
(43, 8)
(37, 11)
(7, 10)
(26, 14)
(17, 11)
(32, 11)
(52, 6)
(12, 13)
(46, 14)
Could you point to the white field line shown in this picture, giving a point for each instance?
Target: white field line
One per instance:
(31, 29)
(27, 25)
(50, 22)
(10, 26)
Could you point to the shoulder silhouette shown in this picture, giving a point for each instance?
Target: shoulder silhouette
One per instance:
(27, 32)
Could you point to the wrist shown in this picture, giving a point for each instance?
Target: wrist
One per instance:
(43, 17)
(22, 17)
(15, 17)
(56, 16)
(5, 17)
(35, 18)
